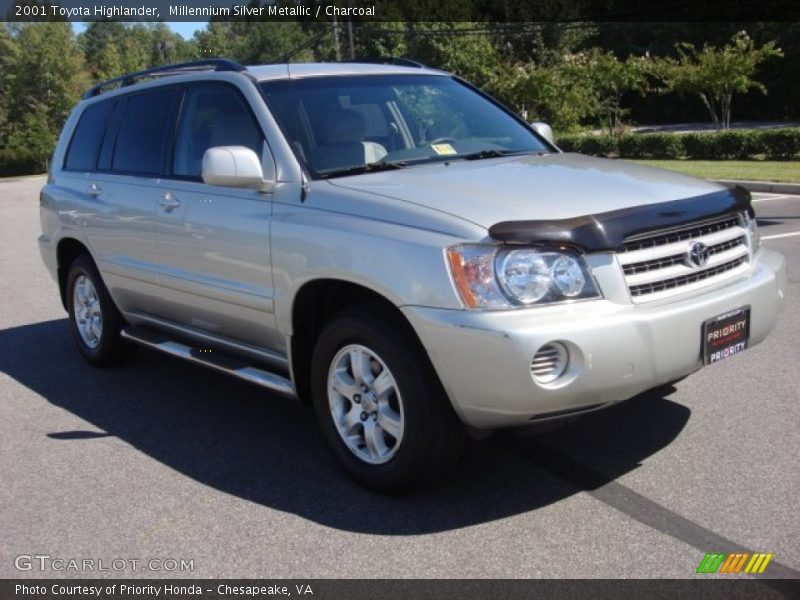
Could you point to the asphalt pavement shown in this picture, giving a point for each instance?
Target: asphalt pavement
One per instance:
(164, 460)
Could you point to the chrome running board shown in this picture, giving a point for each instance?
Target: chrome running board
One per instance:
(212, 359)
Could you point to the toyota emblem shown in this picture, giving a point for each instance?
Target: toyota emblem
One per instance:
(698, 254)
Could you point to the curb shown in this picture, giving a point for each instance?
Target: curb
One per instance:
(769, 187)
(13, 178)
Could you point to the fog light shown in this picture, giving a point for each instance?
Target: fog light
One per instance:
(549, 363)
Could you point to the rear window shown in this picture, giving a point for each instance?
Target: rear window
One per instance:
(85, 144)
(146, 126)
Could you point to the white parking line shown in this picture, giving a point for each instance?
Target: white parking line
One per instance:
(779, 235)
(764, 197)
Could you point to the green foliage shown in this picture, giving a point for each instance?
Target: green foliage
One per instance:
(631, 146)
(570, 77)
(661, 145)
(600, 145)
(698, 145)
(571, 143)
(611, 79)
(29, 145)
(716, 74)
(48, 73)
(8, 56)
(43, 78)
(736, 144)
(472, 57)
(384, 39)
(781, 144)
(262, 42)
(112, 49)
(559, 94)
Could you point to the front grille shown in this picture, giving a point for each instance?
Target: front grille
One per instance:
(676, 259)
(668, 284)
(691, 231)
(656, 264)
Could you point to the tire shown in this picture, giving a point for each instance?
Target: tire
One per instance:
(88, 301)
(413, 432)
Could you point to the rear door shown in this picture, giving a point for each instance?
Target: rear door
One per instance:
(123, 187)
(212, 241)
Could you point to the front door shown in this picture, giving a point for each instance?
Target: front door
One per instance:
(213, 242)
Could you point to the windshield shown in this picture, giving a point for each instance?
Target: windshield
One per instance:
(342, 125)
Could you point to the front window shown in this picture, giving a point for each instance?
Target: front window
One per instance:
(342, 125)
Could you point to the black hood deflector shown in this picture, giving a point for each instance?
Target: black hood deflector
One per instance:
(607, 231)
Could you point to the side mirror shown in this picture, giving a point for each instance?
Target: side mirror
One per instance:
(234, 166)
(544, 130)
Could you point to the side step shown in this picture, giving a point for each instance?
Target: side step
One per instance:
(214, 360)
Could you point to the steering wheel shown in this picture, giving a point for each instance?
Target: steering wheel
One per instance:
(442, 140)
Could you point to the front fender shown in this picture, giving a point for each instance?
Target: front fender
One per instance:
(404, 264)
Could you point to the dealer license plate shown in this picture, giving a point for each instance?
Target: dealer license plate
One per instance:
(726, 335)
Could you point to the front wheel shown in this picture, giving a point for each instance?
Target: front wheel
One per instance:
(380, 404)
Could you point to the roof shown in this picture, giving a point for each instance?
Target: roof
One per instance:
(300, 70)
(397, 66)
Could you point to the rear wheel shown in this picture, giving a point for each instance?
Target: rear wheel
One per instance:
(95, 322)
(380, 405)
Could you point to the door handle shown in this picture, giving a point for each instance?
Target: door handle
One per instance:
(94, 190)
(169, 201)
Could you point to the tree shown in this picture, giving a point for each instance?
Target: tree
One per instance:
(454, 47)
(560, 94)
(112, 48)
(216, 41)
(48, 73)
(716, 74)
(109, 62)
(381, 39)
(8, 57)
(612, 78)
(166, 46)
(46, 79)
(134, 49)
(96, 39)
(31, 142)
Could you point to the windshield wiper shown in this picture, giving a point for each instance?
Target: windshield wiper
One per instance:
(494, 153)
(367, 168)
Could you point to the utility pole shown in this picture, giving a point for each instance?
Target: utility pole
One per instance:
(336, 39)
(350, 33)
(350, 38)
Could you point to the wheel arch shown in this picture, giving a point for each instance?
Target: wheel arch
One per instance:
(67, 251)
(315, 304)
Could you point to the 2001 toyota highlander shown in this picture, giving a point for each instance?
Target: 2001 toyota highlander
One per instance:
(394, 246)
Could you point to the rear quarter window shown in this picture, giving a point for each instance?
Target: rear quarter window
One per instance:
(85, 143)
(146, 127)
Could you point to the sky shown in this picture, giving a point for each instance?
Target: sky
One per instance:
(185, 29)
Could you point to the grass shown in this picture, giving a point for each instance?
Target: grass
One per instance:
(755, 170)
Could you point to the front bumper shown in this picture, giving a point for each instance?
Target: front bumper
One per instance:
(616, 350)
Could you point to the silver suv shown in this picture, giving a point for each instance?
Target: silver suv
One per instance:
(393, 246)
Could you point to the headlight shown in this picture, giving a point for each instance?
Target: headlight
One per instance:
(524, 275)
(752, 232)
(501, 277)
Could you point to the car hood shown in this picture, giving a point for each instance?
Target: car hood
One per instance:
(530, 187)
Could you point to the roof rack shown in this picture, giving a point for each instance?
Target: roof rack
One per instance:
(212, 64)
(391, 60)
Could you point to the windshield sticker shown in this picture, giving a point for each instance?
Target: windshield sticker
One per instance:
(443, 149)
